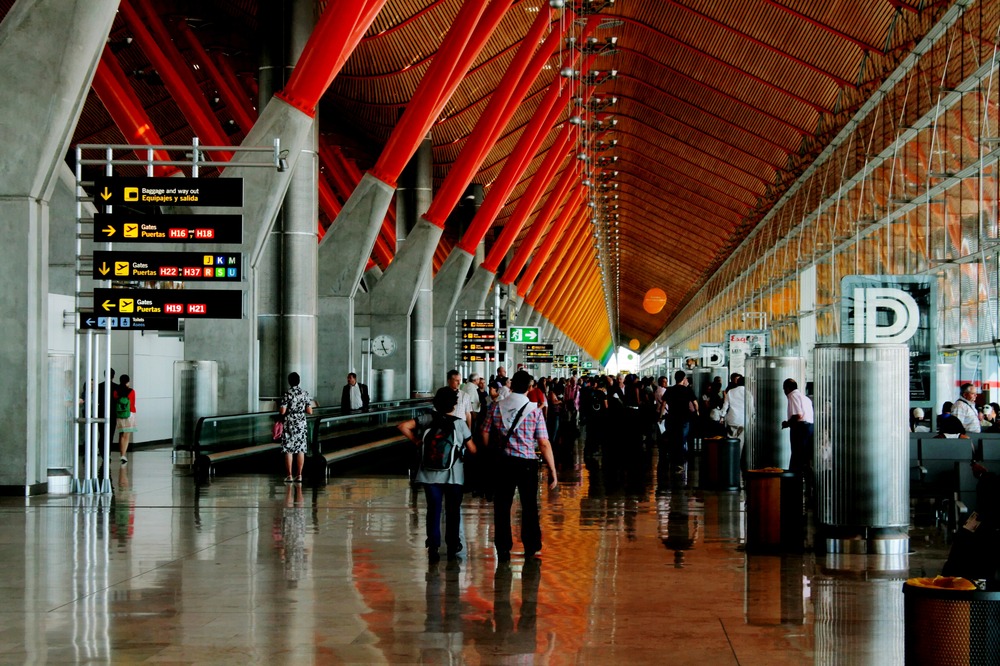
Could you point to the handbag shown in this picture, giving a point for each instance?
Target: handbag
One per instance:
(278, 430)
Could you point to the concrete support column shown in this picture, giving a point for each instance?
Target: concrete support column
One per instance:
(299, 238)
(49, 51)
(272, 74)
(422, 317)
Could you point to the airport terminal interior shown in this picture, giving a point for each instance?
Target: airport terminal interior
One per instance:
(787, 209)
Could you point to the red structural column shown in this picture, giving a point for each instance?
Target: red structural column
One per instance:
(543, 176)
(169, 64)
(464, 41)
(125, 109)
(575, 237)
(541, 223)
(504, 101)
(570, 210)
(243, 119)
(527, 145)
(243, 96)
(567, 280)
(334, 38)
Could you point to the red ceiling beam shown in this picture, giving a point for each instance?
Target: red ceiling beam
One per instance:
(123, 105)
(236, 109)
(522, 154)
(504, 102)
(466, 38)
(334, 38)
(244, 96)
(569, 176)
(570, 211)
(172, 68)
(539, 181)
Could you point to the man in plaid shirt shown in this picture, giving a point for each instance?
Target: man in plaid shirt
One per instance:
(518, 466)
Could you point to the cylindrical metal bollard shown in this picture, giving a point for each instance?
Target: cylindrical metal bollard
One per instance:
(860, 447)
(766, 407)
(196, 394)
(720, 469)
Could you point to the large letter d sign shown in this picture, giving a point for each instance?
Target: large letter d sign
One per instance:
(866, 305)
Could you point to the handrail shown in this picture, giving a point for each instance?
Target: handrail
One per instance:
(372, 421)
(261, 429)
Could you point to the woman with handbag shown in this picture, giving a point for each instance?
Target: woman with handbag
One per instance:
(294, 406)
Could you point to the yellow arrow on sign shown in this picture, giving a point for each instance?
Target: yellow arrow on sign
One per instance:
(106, 194)
(109, 230)
(108, 305)
(104, 268)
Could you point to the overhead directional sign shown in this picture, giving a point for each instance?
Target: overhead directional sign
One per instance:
(127, 228)
(588, 364)
(113, 191)
(478, 323)
(539, 353)
(202, 303)
(128, 323)
(522, 334)
(217, 267)
(572, 359)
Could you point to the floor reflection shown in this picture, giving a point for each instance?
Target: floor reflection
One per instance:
(247, 569)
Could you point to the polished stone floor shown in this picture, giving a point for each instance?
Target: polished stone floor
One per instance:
(638, 567)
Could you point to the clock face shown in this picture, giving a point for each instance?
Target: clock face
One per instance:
(383, 345)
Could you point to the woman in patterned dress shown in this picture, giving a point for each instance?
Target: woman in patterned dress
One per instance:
(295, 404)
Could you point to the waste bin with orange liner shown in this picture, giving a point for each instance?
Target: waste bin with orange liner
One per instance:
(775, 521)
(950, 621)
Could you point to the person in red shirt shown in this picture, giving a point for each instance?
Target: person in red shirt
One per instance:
(536, 395)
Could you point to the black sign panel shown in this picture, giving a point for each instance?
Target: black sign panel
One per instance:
(478, 346)
(128, 322)
(202, 303)
(479, 335)
(200, 266)
(478, 323)
(113, 191)
(126, 228)
(545, 347)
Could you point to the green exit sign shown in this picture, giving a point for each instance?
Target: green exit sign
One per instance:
(523, 334)
(588, 364)
(572, 358)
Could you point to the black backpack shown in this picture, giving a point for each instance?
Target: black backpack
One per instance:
(440, 450)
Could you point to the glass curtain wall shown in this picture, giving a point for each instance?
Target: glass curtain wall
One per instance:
(909, 187)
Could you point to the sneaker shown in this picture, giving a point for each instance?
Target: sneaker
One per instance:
(124, 460)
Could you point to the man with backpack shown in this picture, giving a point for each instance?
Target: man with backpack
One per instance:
(443, 439)
(511, 430)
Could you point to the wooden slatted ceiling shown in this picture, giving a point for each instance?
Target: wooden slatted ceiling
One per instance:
(721, 104)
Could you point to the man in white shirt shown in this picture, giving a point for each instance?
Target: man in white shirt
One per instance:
(471, 389)
(733, 408)
(463, 409)
(800, 424)
(964, 409)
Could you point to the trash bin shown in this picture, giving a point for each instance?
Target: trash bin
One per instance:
(774, 511)
(948, 626)
(720, 466)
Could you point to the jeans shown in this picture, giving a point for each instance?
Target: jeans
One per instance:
(675, 436)
(452, 496)
(519, 474)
